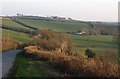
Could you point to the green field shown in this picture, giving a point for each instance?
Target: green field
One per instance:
(10, 23)
(100, 44)
(57, 26)
(16, 36)
(104, 41)
(106, 28)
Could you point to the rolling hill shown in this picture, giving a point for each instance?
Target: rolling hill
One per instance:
(65, 26)
(98, 42)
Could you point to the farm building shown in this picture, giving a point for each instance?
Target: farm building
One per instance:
(81, 33)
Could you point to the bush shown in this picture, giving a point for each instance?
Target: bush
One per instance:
(89, 53)
(75, 65)
(49, 44)
(51, 40)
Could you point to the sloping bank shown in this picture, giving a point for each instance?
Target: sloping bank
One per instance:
(51, 56)
(29, 67)
(29, 64)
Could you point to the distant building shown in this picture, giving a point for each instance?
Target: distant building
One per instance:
(19, 14)
(54, 17)
(80, 33)
(68, 18)
(83, 32)
(59, 18)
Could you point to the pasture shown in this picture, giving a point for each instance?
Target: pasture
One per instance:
(100, 44)
(102, 41)
(10, 23)
(16, 36)
(57, 26)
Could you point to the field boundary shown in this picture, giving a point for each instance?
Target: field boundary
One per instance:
(25, 25)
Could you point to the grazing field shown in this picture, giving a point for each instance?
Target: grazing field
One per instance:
(16, 36)
(10, 23)
(106, 28)
(100, 44)
(9, 37)
(57, 26)
(104, 41)
(55, 53)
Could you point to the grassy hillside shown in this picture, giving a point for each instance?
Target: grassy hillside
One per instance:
(16, 36)
(10, 23)
(57, 26)
(100, 44)
(12, 33)
(54, 52)
(106, 28)
(104, 41)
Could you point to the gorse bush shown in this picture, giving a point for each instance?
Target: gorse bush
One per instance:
(50, 44)
(54, 47)
(75, 65)
(50, 40)
(89, 53)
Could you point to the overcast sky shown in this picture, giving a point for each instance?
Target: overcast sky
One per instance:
(97, 10)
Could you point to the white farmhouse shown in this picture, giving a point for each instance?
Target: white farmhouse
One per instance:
(80, 33)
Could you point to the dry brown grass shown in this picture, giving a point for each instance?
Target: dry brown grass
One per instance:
(7, 44)
(77, 65)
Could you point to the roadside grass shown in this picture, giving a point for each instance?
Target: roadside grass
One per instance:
(57, 26)
(28, 67)
(75, 65)
(7, 45)
(10, 39)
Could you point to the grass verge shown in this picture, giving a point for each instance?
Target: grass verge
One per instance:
(28, 67)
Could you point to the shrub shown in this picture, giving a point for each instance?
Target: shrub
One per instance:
(89, 53)
(51, 40)
(76, 65)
